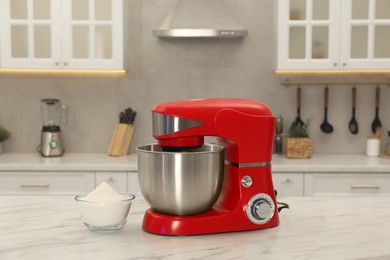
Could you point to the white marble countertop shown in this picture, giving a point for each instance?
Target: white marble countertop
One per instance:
(332, 163)
(313, 228)
(67, 162)
(103, 162)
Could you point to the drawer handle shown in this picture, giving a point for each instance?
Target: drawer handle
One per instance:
(367, 187)
(32, 185)
(288, 181)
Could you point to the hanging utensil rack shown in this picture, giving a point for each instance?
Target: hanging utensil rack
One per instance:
(288, 82)
(337, 77)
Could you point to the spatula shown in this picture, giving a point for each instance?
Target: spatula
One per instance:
(326, 127)
(298, 121)
(377, 122)
(353, 125)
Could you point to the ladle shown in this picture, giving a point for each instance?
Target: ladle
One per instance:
(326, 127)
(353, 125)
(298, 121)
(376, 123)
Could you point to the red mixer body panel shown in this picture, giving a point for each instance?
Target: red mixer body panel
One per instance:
(246, 129)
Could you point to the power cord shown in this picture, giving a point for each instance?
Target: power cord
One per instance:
(283, 205)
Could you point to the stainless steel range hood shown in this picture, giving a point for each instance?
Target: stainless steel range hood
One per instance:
(201, 18)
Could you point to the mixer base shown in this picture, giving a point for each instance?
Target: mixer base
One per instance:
(213, 221)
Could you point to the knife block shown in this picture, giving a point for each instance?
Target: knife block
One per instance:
(121, 139)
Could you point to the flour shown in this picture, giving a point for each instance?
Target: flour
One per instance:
(105, 208)
(104, 193)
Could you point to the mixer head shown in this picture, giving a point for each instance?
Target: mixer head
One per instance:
(248, 124)
(165, 125)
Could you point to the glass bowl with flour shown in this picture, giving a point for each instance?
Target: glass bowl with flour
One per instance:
(104, 208)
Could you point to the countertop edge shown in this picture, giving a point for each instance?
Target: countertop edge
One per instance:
(101, 162)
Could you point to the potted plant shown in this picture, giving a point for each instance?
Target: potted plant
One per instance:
(298, 144)
(4, 135)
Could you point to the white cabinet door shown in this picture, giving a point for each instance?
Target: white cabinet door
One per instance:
(93, 34)
(46, 183)
(347, 184)
(366, 34)
(308, 34)
(30, 33)
(117, 180)
(333, 34)
(288, 184)
(71, 34)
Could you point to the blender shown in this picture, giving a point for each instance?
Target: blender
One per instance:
(54, 114)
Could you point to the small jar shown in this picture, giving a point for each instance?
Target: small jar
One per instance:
(279, 125)
(278, 146)
(373, 147)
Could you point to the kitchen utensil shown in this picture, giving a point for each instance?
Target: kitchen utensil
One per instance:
(128, 112)
(353, 125)
(127, 116)
(121, 117)
(199, 170)
(378, 133)
(132, 117)
(181, 175)
(377, 122)
(326, 127)
(54, 114)
(298, 121)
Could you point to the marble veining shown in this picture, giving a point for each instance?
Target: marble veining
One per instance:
(313, 228)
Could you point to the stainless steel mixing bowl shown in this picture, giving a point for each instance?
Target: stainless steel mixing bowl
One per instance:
(181, 183)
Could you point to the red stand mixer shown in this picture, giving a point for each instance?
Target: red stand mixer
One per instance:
(244, 198)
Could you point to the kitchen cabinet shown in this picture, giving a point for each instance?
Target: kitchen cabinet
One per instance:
(133, 183)
(333, 34)
(288, 184)
(72, 34)
(117, 180)
(347, 184)
(65, 182)
(120, 181)
(46, 183)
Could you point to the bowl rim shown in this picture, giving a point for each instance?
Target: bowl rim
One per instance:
(130, 197)
(220, 149)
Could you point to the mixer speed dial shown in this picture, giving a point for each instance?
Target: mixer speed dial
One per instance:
(260, 208)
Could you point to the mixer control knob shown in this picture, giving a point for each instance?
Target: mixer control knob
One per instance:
(260, 208)
(246, 181)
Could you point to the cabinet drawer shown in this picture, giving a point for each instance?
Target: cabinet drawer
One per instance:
(347, 184)
(46, 183)
(117, 180)
(288, 184)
